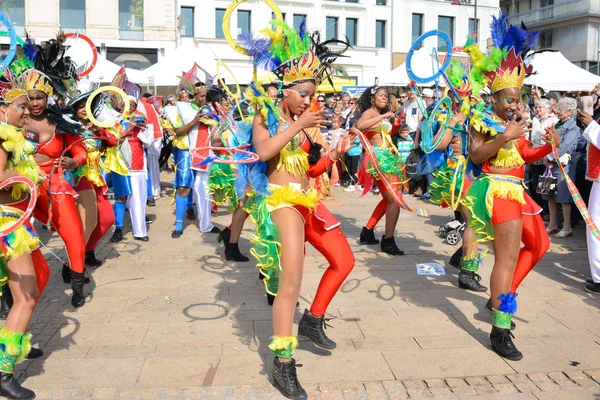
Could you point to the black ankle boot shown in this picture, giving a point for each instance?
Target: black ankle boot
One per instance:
(488, 306)
(78, 298)
(66, 274)
(455, 259)
(388, 245)
(232, 252)
(117, 236)
(91, 260)
(313, 328)
(224, 236)
(367, 236)
(6, 302)
(503, 345)
(11, 389)
(285, 379)
(469, 280)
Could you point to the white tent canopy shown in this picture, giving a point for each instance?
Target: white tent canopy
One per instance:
(554, 72)
(166, 71)
(422, 64)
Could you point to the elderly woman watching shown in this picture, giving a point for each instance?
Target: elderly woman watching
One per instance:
(566, 111)
(544, 118)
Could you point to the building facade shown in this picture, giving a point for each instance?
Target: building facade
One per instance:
(139, 33)
(570, 26)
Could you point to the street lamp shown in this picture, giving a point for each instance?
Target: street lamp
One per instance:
(475, 24)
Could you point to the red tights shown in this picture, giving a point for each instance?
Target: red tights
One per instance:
(334, 247)
(380, 208)
(66, 221)
(106, 219)
(535, 245)
(42, 271)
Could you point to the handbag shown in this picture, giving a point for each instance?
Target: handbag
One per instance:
(547, 183)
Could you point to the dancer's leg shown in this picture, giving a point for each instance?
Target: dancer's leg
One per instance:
(291, 230)
(593, 243)
(553, 211)
(67, 222)
(137, 204)
(535, 244)
(378, 213)
(203, 204)
(238, 218)
(25, 292)
(507, 242)
(106, 219)
(88, 211)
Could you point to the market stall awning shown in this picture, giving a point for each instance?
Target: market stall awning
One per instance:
(552, 71)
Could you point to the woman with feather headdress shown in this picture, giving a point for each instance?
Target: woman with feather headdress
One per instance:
(291, 213)
(23, 267)
(499, 209)
(52, 73)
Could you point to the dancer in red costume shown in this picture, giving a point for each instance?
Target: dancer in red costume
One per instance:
(291, 214)
(57, 199)
(23, 268)
(499, 209)
(95, 209)
(375, 124)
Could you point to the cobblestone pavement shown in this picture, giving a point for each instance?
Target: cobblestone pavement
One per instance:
(171, 319)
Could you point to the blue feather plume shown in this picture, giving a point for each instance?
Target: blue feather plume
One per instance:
(508, 303)
(302, 31)
(498, 28)
(507, 36)
(30, 49)
(258, 49)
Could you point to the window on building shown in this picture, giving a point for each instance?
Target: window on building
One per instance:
(548, 13)
(14, 10)
(352, 1)
(472, 26)
(298, 18)
(332, 28)
(219, 13)
(273, 16)
(545, 40)
(417, 27)
(380, 33)
(446, 25)
(381, 2)
(187, 21)
(352, 30)
(136, 58)
(72, 14)
(131, 14)
(243, 22)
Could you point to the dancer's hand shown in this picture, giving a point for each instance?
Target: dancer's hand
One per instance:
(387, 115)
(459, 117)
(68, 163)
(42, 175)
(551, 135)
(516, 130)
(311, 119)
(346, 143)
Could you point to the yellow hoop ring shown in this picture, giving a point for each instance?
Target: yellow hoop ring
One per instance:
(88, 105)
(234, 4)
(222, 82)
(461, 163)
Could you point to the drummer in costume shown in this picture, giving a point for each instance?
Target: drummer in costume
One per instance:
(291, 214)
(23, 267)
(191, 126)
(127, 166)
(95, 209)
(499, 209)
(58, 129)
(375, 124)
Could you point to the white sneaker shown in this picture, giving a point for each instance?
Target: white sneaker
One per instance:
(338, 184)
(350, 188)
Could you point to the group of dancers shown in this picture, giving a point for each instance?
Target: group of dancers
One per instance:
(265, 158)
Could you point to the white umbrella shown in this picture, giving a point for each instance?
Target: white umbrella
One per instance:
(105, 71)
(422, 64)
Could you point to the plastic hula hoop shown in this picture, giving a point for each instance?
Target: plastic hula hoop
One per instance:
(461, 163)
(93, 47)
(253, 157)
(12, 50)
(20, 41)
(229, 11)
(439, 72)
(30, 206)
(428, 147)
(88, 105)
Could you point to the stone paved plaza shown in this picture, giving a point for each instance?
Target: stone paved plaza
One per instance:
(172, 319)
